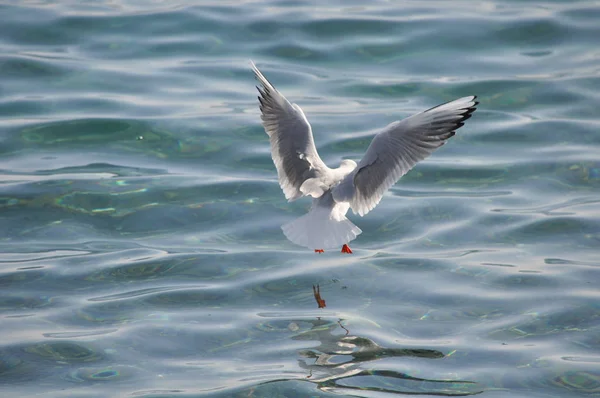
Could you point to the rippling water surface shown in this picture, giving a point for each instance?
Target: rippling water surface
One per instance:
(140, 245)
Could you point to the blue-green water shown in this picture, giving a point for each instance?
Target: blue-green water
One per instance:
(141, 250)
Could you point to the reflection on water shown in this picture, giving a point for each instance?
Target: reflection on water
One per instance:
(318, 299)
(343, 363)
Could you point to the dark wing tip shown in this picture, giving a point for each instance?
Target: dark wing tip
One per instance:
(465, 114)
(468, 112)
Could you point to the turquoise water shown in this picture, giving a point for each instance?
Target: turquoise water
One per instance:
(141, 250)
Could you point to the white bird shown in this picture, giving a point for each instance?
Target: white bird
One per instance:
(392, 153)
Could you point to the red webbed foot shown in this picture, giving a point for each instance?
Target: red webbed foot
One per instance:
(346, 249)
(319, 251)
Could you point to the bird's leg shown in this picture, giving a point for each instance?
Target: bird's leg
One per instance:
(346, 249)
(319, 251)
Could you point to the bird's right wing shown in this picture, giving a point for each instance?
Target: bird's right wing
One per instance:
(292, 144)
(395, 150)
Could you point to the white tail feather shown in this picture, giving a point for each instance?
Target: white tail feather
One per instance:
(318, 229)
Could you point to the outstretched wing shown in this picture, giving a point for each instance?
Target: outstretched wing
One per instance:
(292, 144)
(395, 150)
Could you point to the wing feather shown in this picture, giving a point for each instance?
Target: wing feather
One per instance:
(292, 145)
(396, 149)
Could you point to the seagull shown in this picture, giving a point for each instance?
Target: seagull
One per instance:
(393, 151)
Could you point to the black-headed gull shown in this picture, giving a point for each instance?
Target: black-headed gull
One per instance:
(392, 153)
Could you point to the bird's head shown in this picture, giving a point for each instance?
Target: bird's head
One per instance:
(348, 164)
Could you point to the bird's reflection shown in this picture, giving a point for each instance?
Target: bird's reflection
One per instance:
(339, 363)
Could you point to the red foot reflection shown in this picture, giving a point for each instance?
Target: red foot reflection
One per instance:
(317, 293)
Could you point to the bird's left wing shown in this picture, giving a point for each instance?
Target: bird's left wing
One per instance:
(395, 150)
(292, 144)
